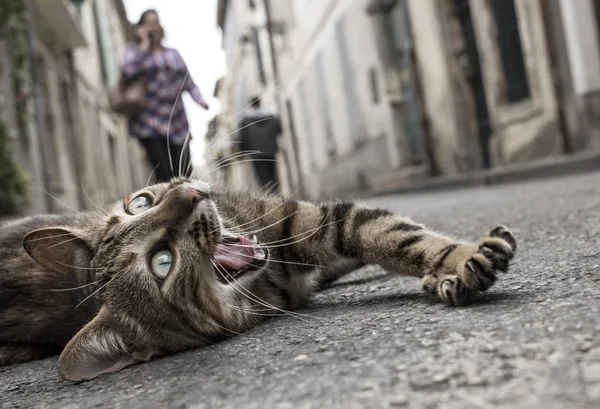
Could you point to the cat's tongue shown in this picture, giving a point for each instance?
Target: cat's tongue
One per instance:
(235, 256)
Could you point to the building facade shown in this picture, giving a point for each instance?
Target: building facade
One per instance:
(376, 93)
(78, 152)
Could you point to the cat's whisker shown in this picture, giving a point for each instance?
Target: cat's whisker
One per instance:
(250, 232)
(298, 264)
(272, 224)
(263, 303)
(308, 234)
(270, 244)
(78, 268)
(246, 152)
(231, 221)
(151, 173)
(271, 260)
(255, 298)
(101, 287)
(240, 162)
(171, 117)
(56, 236)
(252, 312)
(76, 288)
(181, 155)
(213, 167)
(236, 155)
(215, 142)
(89, 198)
(68, 206)
(250, 124)
(260, 217)
(224, 162)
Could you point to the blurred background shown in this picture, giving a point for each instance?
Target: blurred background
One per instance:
(355, 95)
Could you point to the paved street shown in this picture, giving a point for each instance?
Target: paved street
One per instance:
(375, 341)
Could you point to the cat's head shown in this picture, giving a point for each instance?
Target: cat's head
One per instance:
(165, 265)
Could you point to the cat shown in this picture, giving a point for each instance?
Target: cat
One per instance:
(175, 266)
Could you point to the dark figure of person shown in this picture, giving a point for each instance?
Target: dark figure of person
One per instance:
(258, 132)
(163, 128)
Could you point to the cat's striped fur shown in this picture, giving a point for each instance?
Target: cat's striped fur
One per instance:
(120, 312)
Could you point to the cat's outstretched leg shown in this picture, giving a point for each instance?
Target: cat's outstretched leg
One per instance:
(451, 270)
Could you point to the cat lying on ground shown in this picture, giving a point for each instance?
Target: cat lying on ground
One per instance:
(175, 266)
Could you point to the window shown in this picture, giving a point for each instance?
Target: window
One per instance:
(511, 51)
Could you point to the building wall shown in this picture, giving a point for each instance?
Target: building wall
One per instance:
(527, 129)
(574, 29)
(90, 158)
(521, 131)
(437, 80)
(109, 147)
(327, 79)
(24, 146)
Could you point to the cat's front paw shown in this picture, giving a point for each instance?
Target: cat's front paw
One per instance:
(478, 272)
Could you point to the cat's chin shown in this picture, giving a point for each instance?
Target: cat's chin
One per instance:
(238, 255)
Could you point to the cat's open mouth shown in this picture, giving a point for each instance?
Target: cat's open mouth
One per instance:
(237, 255)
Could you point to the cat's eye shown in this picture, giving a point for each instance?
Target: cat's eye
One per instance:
(139, 204)
(162, 262)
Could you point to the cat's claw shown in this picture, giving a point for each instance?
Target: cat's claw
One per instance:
(479, 271)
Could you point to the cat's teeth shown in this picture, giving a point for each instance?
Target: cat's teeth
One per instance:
(254, 239)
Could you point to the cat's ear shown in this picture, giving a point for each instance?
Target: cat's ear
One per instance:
(59, 249)
(98, 348)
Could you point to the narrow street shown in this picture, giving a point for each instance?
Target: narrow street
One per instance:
(375, 341)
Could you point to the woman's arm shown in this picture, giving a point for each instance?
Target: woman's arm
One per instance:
(190, 86)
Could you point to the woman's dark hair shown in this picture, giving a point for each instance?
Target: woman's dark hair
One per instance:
(144, 15)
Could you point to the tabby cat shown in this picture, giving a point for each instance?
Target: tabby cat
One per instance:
(175, 266)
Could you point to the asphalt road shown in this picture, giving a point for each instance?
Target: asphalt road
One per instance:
(375, 341)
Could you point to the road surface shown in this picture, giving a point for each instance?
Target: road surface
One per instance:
(374, 341)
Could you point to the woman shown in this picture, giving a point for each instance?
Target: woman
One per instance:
(162, 127)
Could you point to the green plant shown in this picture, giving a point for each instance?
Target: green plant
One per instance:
(8, 9)
(14, 182)
(12, 32)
